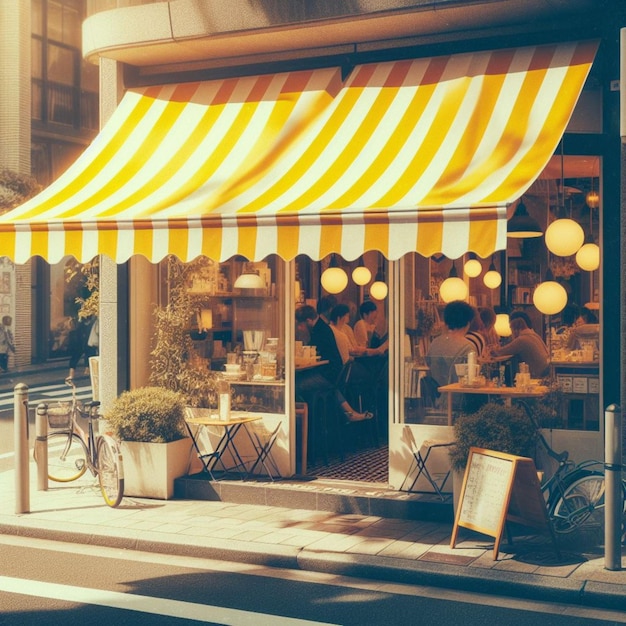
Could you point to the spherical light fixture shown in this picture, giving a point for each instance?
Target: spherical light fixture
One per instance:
(361, 274)
(502, 325)
(379, 290)
(564, 237)
(550, 297)
(453, 287)
(588, 257)
(334, 279)
(492, 278)
(249, 279)
(472, 267)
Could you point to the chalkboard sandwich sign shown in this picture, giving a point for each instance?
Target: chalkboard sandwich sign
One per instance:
(499, 487)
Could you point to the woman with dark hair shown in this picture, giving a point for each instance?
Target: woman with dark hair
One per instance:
(452, 346)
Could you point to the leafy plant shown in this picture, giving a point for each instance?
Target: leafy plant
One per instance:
(89, 275)
(149, 414)
(15, 189)
(170, 364)
(494, 427)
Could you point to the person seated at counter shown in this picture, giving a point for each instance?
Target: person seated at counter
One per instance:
(526, 347)
(488, 318)
(586, 329)
(365, 330)
(475, 334)
(326, 377)
(452, 346)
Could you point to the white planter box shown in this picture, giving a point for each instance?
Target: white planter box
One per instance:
(150, 468)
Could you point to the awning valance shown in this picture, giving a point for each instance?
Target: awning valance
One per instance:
(413, 155)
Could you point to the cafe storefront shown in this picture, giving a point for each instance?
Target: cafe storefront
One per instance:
(406, 165)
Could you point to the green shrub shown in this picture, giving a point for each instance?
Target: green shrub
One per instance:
(493, 427)
(150, 414)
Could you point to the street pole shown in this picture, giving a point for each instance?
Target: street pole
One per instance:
(41, 446)
(20, 440)
(613, 494)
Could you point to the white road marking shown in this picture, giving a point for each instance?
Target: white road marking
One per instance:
(145, 604)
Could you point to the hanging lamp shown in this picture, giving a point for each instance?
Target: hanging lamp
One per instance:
(334, 279)
(453, 287)
(249, 278)
(564, 236)
(472, 267)
(361, 275)
(502, 325)
(379, 289)
(549, 296)
(492, 278)
(522, 225)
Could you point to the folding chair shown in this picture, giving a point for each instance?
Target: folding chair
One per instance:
(264, 443)
(419, 463)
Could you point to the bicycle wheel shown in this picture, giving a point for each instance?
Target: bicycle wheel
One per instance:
(67, 457)
(581, 504)
(110, 470)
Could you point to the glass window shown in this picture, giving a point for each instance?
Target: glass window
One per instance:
(61, 65)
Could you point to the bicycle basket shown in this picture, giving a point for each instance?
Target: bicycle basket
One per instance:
(60, 415)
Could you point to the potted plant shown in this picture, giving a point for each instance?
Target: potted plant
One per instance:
(494, 426)
(149, 422)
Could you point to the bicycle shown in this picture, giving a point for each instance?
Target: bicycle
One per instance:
(71, 450)
(574, 493)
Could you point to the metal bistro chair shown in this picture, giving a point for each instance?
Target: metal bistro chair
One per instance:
(419, 464)
(264, 443)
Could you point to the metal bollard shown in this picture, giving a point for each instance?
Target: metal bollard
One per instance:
(613, 494)
(20, 439)
(41, 446)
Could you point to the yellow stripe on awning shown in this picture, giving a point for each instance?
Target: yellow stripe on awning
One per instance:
(413, 155)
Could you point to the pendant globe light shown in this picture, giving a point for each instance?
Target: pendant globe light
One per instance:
(492, 278)
(564, 236)
(334, 279)
(502, 325)
(361, 274)
(588, 256)
(453, 287)
(549, 296)
(472, 267)
(379, 289)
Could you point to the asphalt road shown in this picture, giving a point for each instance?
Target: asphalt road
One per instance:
(44, 582)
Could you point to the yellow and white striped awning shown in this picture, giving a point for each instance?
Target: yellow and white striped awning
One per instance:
(413, 155)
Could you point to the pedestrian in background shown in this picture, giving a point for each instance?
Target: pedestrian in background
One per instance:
(6, 342)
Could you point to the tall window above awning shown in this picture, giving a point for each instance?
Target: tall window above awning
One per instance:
(412, 155)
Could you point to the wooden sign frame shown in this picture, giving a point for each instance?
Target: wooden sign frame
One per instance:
(497, 488)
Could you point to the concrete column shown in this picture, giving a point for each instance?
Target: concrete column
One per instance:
(113, 314)
(15, 107)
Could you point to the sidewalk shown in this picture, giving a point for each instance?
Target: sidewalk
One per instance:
(365, 546)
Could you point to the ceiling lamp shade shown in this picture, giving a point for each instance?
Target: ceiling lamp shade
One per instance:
(522, 225)
(502, 325)
(361, 275)
(588, 257)
(564, 237)
(453, 287)
(334, 279)
(379, 289)
(473, 267)
(249, 279)
(492, 278)
(550, 297)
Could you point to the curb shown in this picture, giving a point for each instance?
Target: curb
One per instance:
(442, 575)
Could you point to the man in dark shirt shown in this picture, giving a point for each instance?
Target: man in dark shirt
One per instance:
(323, 338)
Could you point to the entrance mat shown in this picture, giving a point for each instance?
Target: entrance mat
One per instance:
(370, 466)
